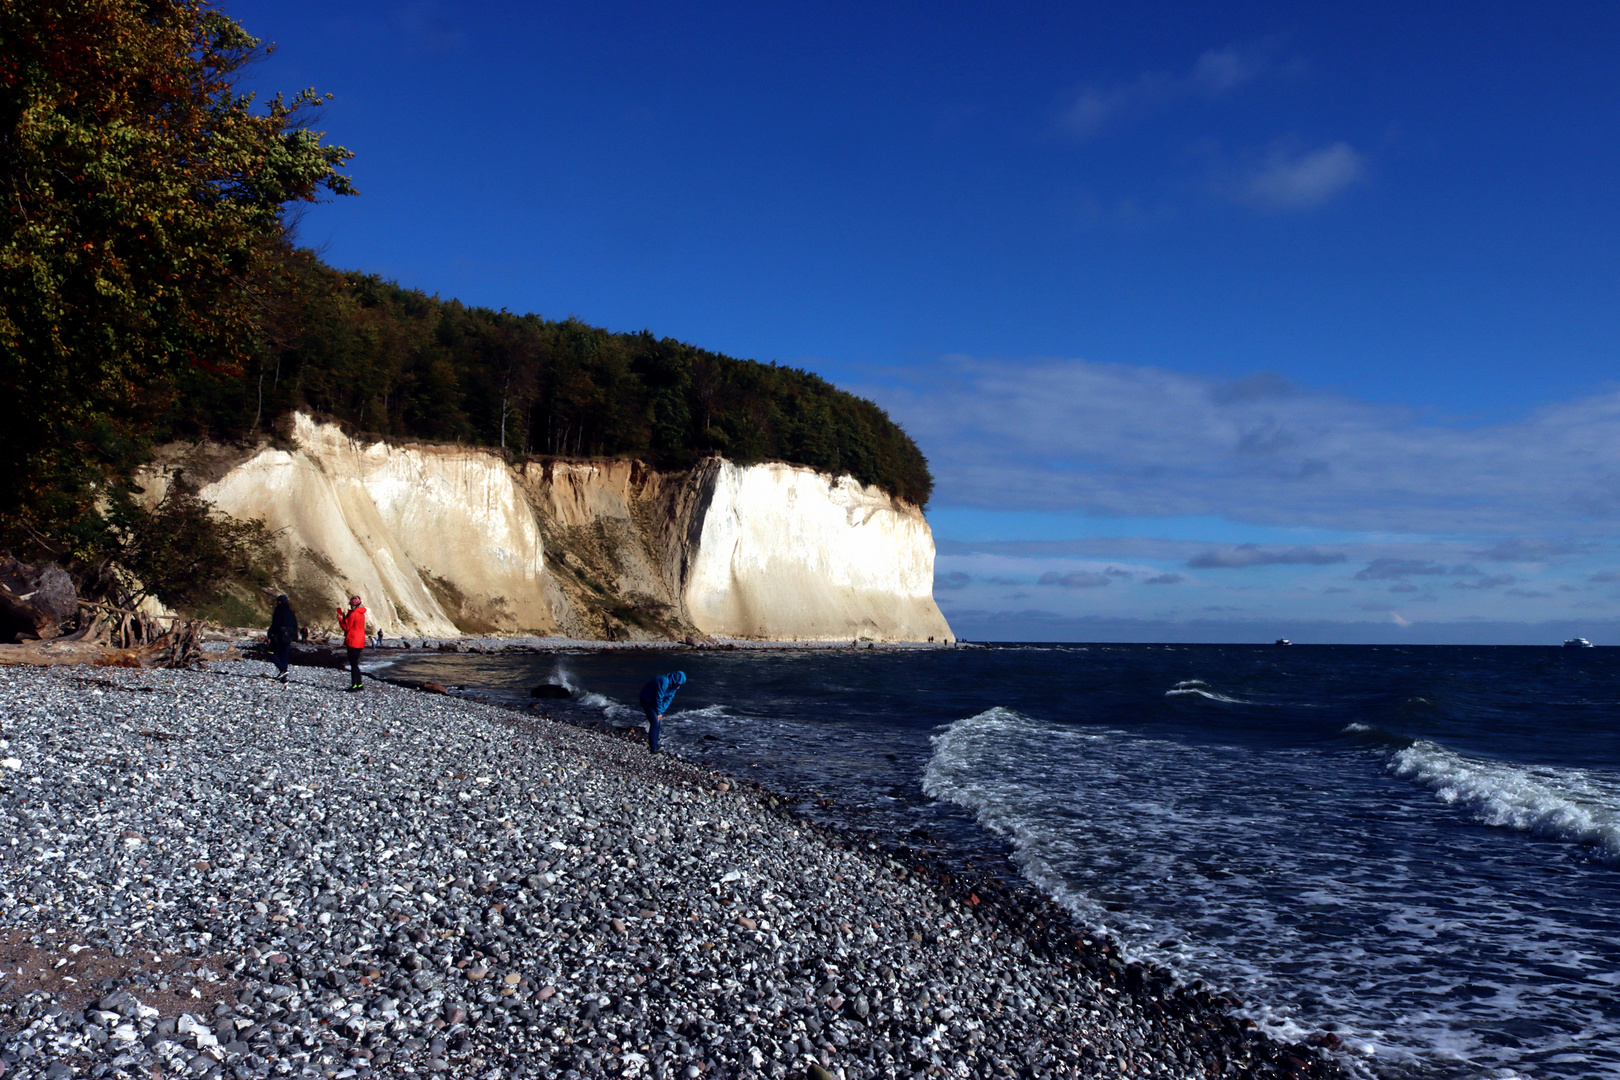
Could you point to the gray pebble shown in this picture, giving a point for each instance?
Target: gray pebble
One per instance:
(397, 879)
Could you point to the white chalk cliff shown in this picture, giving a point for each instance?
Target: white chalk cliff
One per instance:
(784, 551)
(444, 540)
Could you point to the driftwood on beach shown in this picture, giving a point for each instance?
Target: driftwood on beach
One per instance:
(115, 637)
(36, 602)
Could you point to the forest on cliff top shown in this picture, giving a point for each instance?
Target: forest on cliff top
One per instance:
(394, 362)
(151, 290)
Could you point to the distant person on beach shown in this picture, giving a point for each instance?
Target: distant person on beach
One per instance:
(656, 698)
(353, 625)
(283, 632)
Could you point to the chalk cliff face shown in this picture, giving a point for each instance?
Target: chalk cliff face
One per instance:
(786, 552)
(446, 540)
(617, 545)
(436, 540)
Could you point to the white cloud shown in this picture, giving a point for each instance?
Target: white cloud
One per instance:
(1220, 71)
(1074, 579)
(1243, 556)
(1387, 569)
(1491, 581)
(1291, 179)
(1526, 550)
(1355, 507)
(1094, 107)
(1216, 73)
(1137, 442)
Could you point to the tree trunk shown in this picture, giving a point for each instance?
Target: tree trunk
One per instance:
(37, 603)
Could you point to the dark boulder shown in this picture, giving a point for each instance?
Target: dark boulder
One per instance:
(36, 602)
(550, 690)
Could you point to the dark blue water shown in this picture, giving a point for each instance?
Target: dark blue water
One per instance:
(1417, 848)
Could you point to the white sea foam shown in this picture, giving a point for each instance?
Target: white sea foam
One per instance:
(614, 710)
(617, 710)
(1051, 821)
(707, 712)
(1033, 816)
(1577, 805)
(1357, 728)
(561, 676)
(1199, 688)
(1184, 849)
(633, 716)
(955, 774)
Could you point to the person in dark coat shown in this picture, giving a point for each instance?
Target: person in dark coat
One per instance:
(656, 698)
(283, 632)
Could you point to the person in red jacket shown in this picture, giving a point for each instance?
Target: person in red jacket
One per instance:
(353, 624)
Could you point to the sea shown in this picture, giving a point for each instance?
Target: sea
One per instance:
(1415, 848)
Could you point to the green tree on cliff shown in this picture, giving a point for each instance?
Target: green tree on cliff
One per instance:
(400, 364)
(141, 203)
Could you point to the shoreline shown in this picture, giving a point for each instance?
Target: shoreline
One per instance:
(245, 638)
(986, 875)
(393, 883)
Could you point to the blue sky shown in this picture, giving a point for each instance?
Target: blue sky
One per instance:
(1216, 322)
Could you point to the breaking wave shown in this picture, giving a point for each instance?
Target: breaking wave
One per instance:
(1573, 805)
(1200, 688)
(956, 773)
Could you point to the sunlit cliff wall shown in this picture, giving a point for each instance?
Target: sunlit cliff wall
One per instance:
(443, 540)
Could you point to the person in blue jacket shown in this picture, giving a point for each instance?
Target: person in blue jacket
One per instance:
(656, 698)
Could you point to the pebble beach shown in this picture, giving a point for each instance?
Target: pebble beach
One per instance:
(209, 873)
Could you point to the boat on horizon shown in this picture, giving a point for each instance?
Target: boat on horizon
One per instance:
(1577, 643)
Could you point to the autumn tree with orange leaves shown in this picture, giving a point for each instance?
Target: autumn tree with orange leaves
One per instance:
(142, 197)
